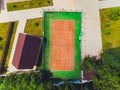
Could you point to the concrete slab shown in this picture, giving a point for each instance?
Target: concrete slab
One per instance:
(91, 39)
(109, 4)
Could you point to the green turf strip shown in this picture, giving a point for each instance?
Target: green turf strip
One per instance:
(76, 16)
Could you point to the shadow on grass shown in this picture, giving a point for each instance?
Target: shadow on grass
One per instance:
(40, 58)
(6, 47)
(46, 75)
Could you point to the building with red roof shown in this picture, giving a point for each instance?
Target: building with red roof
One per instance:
(27, 51)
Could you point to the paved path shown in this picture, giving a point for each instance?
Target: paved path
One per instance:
(20, 29)
(22, 14)
(67, 4)
(109, 4)
(91, 39)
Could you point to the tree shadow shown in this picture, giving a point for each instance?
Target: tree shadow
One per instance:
(112, 51)
(46, 75)
(40, 58)
(111, 57)
(6, 47)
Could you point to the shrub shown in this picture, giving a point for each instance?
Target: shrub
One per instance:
(36, 24)
(106, 32)
(39, 3)
(14, 6)
(1, 47)
(31, 4)
(108, 45)
(107, 24)
(48, 1)
(87, 64)
(1, 38)
(114, 14)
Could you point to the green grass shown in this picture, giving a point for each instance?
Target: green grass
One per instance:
(11, 44)
(76, 16)
(28, 4)
(34, 27)
(3, 33)
(110, 27)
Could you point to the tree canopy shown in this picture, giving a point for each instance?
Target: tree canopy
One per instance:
(107, 72)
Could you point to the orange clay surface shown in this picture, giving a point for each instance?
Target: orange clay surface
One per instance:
(62, 45)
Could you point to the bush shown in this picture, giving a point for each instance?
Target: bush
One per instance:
(107, 24)
(108, 45)
(1, 38)
(14, 6)
(106, 32)
(87, 64)
(36, 24)
(114, 14)
(31, 4)
(48, 1)
(1, 47)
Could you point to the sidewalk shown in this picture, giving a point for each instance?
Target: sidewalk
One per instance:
(109, 4)
(67, 4)
(91, 43)
(22, 14)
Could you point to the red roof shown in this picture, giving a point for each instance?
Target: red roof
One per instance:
(26, 52)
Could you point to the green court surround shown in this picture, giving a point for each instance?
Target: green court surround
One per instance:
(76, 16)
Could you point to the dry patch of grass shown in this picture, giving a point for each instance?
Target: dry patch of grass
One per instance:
(110, 27)
(3, 34)
(34, 27)
(28, 4)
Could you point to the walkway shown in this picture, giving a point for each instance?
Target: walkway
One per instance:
(66, 4)
(21, 14)
(109, 4)
(91, 39)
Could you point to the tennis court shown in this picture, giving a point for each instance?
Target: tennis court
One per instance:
(61, 44)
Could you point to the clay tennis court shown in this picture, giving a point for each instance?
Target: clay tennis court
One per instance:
(62, 45)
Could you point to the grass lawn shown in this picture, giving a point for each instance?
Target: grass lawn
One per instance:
(28, 4)
(11, 44)
(110, 27)
(3, 33)
(34, 27)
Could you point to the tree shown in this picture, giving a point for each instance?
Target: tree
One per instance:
(107, 72)
(87, 64)
(67, 87)
(61, 87)
(41, 87)
(49, 86)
